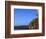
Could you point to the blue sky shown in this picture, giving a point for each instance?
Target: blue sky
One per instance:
(24, 16)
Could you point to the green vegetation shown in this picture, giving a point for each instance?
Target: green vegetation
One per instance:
(31, 24)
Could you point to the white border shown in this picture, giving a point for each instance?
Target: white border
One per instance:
(26, 31)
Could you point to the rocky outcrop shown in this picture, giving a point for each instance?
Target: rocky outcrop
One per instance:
(34, 24)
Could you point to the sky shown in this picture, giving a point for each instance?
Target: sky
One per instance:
(24, 16)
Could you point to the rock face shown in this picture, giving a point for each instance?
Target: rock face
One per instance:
(34, 24)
